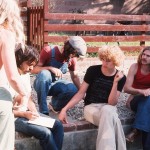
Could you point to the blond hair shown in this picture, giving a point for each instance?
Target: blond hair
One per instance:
(111, 53)
(10, 18)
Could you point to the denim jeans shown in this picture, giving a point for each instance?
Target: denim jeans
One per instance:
(141, 106)
(146, 140)
(61, 91)
(50, 139)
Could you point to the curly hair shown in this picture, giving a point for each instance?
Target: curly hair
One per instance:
(113, 53)
(10, 19)
(140, 55)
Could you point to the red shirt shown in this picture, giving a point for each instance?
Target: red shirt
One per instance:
(45, 57)
(141, 81)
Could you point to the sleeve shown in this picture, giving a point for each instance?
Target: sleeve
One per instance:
(121, 83)
(88, 75)
(45, 55)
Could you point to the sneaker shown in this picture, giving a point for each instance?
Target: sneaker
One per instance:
(52, 109)
(132, 135)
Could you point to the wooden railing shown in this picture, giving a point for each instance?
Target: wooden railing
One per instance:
(41, 23)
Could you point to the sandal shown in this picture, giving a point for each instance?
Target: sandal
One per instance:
(132, 135)
(52, 109)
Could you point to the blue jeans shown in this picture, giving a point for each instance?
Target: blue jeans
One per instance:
(61, 91)
(141, 106)
(146, 140)
(50, 139)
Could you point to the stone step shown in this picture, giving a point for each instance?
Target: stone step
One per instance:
(79, 135)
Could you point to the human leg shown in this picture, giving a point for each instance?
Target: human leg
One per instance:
(92, 113)
(49, 138)
(110, 132)
(42, 85)
(133, 104)
(62, 91)
(58, 133)
(130, 137)
(7, 130)
(142, 119)
(146, 140)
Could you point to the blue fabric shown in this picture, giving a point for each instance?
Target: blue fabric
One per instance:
(141, 105)
(62, 91)
(42, 85)
(50, 139)
(46, 84)
(62, 66)
(146, 140)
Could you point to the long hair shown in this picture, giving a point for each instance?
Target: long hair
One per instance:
(140, 55)
(29, 54)
(10, 19)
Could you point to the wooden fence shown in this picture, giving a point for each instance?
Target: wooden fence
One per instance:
(41, 23)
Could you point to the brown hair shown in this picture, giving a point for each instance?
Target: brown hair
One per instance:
(140, 55)
(68, 49)
(29, 54)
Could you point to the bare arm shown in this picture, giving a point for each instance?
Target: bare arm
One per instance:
(31, 106)
(77, 97)
(31, 114)
(8, 58)
(25, 114)
(40, 66)
(75, 78)
(114, 94)
(130, 78)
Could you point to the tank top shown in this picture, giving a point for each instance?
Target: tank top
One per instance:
(141, 81)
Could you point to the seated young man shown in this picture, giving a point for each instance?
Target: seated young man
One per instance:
(138, 86)
(102, 85)
(54, 62)
(50, 138)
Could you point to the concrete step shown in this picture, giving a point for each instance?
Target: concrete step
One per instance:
(79, 135)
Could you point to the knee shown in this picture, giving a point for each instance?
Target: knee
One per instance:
(44, 75)
(109, 110)
(58, 125)
(72, 88)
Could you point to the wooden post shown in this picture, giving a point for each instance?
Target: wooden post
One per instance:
(46, 10)
(142, 43)
(29, 19)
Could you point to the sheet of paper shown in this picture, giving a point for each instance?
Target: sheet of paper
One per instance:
(43, 121)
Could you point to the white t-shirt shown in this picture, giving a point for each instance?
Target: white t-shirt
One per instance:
(25, 78)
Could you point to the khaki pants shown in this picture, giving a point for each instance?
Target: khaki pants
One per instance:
(110, 133)
(7, 129)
